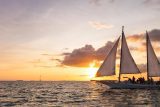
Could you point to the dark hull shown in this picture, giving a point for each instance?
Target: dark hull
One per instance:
(127, 85)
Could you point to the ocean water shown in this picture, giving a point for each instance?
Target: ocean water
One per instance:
(73, 94)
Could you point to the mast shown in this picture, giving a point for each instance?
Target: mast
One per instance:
(147, 54)
(127, 63)
(119, 78)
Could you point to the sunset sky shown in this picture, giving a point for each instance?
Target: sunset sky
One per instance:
(68, 39)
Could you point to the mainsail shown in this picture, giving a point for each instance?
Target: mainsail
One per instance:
(127, 64)
(152, 60)
(108, 66)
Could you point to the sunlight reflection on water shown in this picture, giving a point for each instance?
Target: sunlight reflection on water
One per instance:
(73, 94)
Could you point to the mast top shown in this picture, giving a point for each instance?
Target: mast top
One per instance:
(122, 28)
(146, 32)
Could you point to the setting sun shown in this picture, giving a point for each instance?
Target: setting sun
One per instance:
(92, 70)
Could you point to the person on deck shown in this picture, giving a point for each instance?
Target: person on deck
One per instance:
(130, 80)
(143, 80)
(133, 79)
(151, 80)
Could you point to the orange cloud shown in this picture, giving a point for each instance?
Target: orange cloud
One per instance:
(82, 57)
(135, 37)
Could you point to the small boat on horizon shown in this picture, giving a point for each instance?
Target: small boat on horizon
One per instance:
(128, 66)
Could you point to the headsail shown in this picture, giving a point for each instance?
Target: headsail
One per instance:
(127, 64)
(152, 60)
(108, 66)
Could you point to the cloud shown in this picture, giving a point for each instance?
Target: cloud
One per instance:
(102, 52)
(141, 40)
(135, 37)
(153, 34)
(100, 25)
(82, 57)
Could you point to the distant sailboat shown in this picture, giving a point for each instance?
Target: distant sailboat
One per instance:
(40, 78)
(128, 65)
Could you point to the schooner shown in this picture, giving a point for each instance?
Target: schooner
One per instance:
(128, 65)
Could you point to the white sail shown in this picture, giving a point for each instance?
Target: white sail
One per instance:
(153, 63)
(127, 64)
(108, 66)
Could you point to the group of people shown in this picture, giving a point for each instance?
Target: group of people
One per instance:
(140, 80)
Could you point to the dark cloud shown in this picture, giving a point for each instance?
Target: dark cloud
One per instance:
(141, 38)
(82, 57)
(154, 36)
(102, 52)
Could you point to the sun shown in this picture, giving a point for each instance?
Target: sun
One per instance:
(92, 70)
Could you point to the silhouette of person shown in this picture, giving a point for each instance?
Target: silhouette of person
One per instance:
(133, 79)
(151, 80)
(129, 79)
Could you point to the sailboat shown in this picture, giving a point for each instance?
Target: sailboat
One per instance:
(128, 66)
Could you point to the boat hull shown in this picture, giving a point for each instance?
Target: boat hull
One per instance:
(126, 85)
